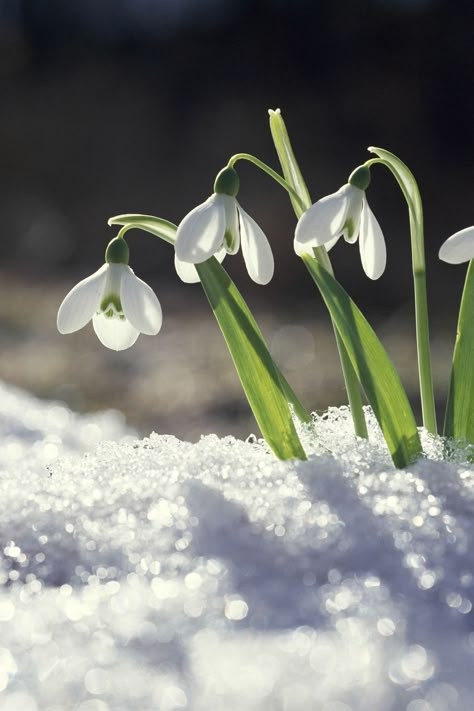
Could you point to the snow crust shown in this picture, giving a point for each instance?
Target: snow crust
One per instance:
(159, 574)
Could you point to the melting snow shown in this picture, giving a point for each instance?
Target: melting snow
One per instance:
(158, 574)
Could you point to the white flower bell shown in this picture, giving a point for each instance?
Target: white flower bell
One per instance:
(347, 214)
(120, 304)
(218, 227)
(459, 247)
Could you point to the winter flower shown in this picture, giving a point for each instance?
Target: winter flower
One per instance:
(459, 247)
(218, 227)
(345, 213)
(120, 304)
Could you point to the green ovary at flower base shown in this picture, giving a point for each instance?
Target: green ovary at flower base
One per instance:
(345, 213)
(120, 304)
(220, 226)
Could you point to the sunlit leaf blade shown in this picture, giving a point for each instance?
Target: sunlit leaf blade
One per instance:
(268, 392)
(289, 165)
(293, 176)
(459, 421)
(373, 367)
(298, 408)
(257, 372)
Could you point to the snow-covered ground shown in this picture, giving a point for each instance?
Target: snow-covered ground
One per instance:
(161, 575)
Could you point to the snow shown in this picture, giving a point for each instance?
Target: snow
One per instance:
(159, 574)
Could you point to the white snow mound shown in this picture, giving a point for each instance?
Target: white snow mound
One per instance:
(162, 575)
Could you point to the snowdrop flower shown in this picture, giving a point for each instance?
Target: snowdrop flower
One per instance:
(345, 213)
(218, 227)
(459, 247)
(120, 304)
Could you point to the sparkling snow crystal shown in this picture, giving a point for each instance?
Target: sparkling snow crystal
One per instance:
(159, 574)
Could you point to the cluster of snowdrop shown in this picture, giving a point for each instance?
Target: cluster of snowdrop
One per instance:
(121, 306)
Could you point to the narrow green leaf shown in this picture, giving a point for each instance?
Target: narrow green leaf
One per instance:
(373, 367)
(294, 177)
(268, 392)
(289, 165)
(459, 421)
(258, 374)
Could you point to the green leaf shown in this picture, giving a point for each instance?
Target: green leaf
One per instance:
(459, 421)
(289, 165)
(267, 391)
(373, 367)
(294, 177)
(258, 374)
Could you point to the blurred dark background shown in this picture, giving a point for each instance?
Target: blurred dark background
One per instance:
(112, 106)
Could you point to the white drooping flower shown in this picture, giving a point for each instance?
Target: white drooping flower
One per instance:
(459, 247)
(120, 304)
(345, 213)
(218, 227)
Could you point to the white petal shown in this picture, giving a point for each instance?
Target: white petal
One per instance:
(140, 304)
(201, 233)
(307, 248)
(113, 280)
(256, 249)
(79, 306)
(188, 272)
(329, 245)
(323, 221)
(459, 247)
(373, 252)
(232, 232)
(115, 333)
(356, 198)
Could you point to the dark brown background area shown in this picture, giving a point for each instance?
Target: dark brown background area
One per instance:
(110, 107)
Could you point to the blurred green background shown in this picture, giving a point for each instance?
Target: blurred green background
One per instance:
(133, 106)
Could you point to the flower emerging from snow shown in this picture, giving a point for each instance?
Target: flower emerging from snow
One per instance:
(120, 304)
(345, 213)
(459, 247)
(218, 227)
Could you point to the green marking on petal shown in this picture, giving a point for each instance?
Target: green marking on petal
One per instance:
(111, 302)
(230, 241)
(349, 228)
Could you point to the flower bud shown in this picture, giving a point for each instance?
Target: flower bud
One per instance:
(227, 182)
(117, 251)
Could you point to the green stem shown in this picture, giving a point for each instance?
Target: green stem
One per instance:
(123, 231)
(424, 356)
(269, 171)
(409, 188)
